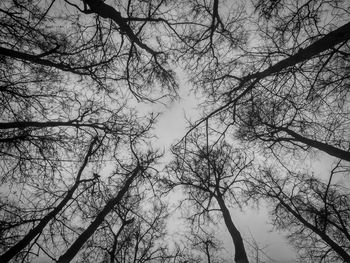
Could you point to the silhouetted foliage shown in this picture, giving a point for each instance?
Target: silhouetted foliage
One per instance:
(71, 144)
(79, 178)
(283, 92)
(212, 177)
(315, 213)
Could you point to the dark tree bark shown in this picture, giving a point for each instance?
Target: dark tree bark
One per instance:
(247, 83)
(328, 41)
(331, 150)
(107, 11)
(315, 213)
(90, 230)
(13, 251)
(37, 59)
(48, 124)
(338, 249)
(211, 174)
(240, 253)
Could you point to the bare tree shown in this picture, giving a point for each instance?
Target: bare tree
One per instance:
(285, 91)
(66, 68)
(34, 232)
(141, 167)
(206, 244)
(273, 75)
(288, 88)
(314, 213)
(67, 71)
(207, 173)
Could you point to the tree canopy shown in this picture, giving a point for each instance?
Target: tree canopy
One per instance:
(80, 178)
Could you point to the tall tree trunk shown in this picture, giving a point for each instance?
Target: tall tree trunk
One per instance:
(90, 230)
(248, 82)
(338, 249)
(13, 251)
(240, 253)
(331, 150)
(47, 124)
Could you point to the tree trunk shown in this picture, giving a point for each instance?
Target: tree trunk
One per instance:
(106, 11)
(331, 150)
(30, 124)
(328, 41)
(36, 59)
(79, 242)
(240, 253)
(13, 251)
(338, 249)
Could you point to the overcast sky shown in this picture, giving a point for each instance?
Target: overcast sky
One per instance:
(252, 223)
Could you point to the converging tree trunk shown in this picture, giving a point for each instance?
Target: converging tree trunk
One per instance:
(240, 253)
(327, 239)
(90, 230)
(331, 150)
(13, 251)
